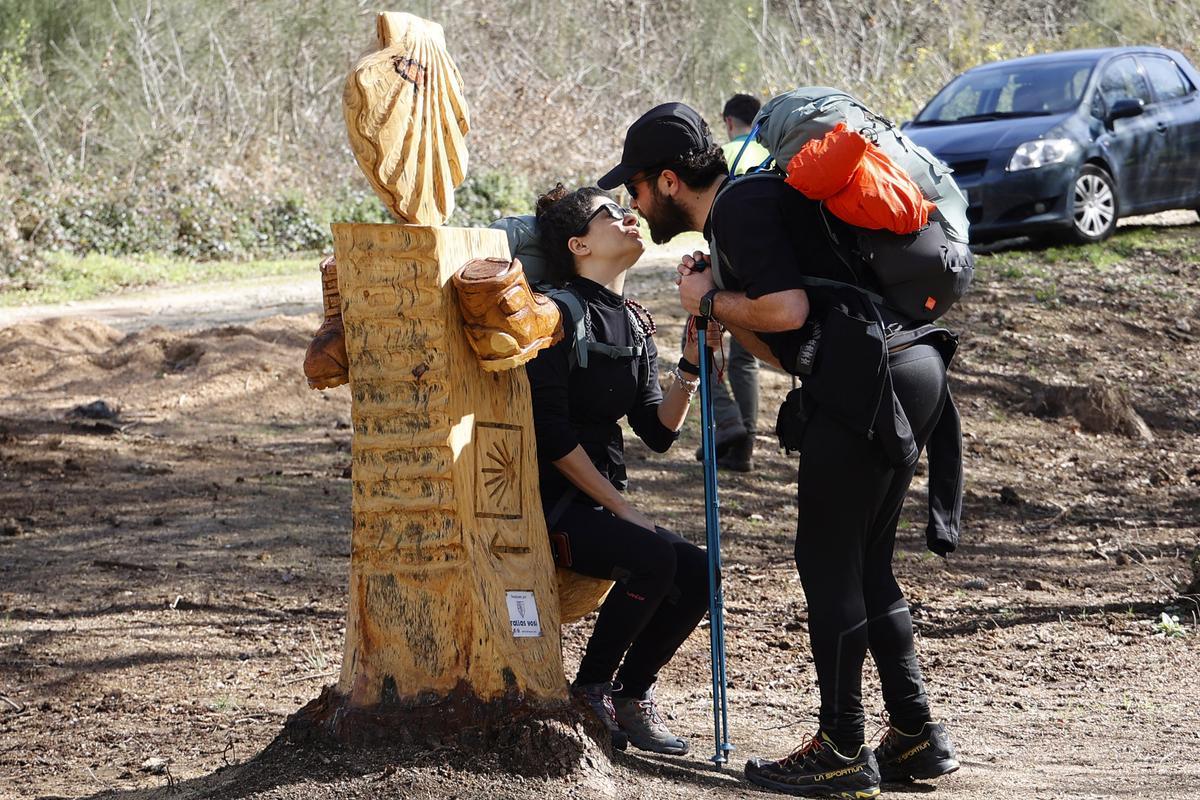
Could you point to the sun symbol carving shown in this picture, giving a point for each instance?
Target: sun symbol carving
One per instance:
(501, 475)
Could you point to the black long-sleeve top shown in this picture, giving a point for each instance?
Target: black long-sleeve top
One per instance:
(770, 236)
(582, 406)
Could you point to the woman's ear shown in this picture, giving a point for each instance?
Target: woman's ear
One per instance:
(577, 246)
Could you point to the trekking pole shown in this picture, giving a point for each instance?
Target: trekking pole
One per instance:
(712, 529)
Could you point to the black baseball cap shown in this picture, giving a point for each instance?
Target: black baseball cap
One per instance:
(661, 135)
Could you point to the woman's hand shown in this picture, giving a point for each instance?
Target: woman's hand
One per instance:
(631, 514)
(691, 346)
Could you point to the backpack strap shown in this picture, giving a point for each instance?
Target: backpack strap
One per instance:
(575, 323)
(837, 246)
(578, 323)
(715, 256)
(741, 150)
(612, 351)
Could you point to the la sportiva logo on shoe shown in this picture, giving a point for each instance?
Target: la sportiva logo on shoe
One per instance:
(907, 754)
(839, 773)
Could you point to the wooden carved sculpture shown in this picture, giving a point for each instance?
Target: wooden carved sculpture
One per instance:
(507, 324)
(325, 361)
(407, 120)
(453, 624)
(453, 618)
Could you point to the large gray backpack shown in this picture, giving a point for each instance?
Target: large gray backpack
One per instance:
(525, 244)
(787, 122)
(920, 274)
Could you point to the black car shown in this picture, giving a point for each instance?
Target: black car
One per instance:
(1066, 143)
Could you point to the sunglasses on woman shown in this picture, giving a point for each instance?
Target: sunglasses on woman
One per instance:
(612, 209)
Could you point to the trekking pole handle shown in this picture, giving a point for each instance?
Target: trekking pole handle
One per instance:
(699, 265)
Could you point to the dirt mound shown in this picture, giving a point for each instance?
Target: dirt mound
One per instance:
(36, 341)
(224, 374)
(1098, 408)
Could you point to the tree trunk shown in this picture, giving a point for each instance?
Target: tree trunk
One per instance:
(453, 618)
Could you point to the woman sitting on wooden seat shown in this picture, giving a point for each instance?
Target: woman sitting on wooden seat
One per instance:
(661, 590)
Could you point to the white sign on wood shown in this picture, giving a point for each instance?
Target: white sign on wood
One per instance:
(522, 612)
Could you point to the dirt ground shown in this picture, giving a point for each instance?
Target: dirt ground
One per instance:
(173, 578)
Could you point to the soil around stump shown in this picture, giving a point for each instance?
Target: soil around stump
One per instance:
(520, 736)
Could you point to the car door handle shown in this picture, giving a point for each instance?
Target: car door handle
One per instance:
(1161, 127)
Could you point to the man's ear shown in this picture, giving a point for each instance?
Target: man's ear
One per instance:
(577, 246)
(670, 183)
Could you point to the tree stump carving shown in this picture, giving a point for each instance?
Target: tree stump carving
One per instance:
(453, 619)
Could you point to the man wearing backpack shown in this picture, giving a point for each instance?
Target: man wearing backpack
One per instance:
(866, 407)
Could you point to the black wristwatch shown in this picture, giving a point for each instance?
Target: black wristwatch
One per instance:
(706, 303)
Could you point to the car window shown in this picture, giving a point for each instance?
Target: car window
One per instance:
(1168, 82)
(1043, 92)
(1123, 81)
(963, 103)
(1010, 90)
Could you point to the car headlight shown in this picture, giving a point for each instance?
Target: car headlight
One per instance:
(1041, 152)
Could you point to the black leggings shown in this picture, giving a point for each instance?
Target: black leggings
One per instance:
(849, 505)
(660, 596)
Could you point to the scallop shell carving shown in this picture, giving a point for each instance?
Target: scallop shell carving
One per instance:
(407, 119)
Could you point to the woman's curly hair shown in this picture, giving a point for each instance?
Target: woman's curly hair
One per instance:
(560, 213)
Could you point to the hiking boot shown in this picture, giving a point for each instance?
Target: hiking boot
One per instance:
(644, 726)
(723, 443)
(598, 698)
(818, 770)
(507, 324)
(929, 753)
(325, 363)
(740, 455)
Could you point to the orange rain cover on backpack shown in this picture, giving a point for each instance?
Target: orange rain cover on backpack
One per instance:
(858, 183)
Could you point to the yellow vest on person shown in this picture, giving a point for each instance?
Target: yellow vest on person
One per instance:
(755, 154)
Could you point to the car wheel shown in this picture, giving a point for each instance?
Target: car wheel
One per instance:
(1093, 206)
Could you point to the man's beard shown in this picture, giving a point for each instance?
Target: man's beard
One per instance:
(668, 220)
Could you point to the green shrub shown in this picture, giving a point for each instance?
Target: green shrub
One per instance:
(485, 198)
(194, 219)
(354, 205)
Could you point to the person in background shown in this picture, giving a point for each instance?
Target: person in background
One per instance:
(738, 115)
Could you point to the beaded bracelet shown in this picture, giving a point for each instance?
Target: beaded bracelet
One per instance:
(689, 386)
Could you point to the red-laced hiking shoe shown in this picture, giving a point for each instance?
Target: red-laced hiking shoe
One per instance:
(598, 698)
(818, 770)
(926, 754)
